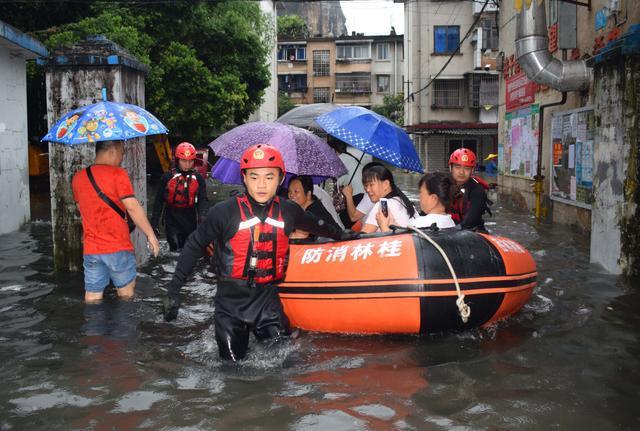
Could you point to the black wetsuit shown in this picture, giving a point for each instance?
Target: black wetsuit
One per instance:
(469, 206)
(240, 306)
(317, 208)
(179, 222)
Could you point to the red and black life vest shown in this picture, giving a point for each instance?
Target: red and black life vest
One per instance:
(259, 249)
(182, 190)
(461, 204)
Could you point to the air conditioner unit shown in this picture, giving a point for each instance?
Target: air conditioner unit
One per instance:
(337, 90)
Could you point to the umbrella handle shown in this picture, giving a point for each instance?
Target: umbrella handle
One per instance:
(354, 171)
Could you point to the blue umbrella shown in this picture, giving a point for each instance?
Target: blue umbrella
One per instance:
(373, 134)
(104, 121)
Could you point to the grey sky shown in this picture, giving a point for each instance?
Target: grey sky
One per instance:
(373, 17)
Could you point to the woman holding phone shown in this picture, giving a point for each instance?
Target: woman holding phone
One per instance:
(391, 206)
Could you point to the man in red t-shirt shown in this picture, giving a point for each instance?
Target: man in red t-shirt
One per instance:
(107, 248)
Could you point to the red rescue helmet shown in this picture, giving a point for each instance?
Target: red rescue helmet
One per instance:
(185, 151)
(463, 157)
(262, 156)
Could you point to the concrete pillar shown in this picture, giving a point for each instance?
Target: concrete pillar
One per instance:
(15, 49)
(615, 236)
(75, 76)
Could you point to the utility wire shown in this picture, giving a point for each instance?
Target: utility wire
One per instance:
(473, 26)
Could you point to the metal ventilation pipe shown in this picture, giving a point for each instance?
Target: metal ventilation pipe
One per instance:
(532, 51)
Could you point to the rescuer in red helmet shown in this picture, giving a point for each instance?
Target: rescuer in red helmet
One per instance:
(182, 193)
(250, 233)
(470, 201)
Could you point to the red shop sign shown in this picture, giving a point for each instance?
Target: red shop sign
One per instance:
(520, 91)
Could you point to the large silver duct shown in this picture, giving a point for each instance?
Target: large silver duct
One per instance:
(532, 50)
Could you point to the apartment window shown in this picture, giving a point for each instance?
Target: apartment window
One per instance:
(292, 83)
(383, 51)
(448, 93)
(483, 90)
(446, 38)
(292, 53)
(383, 83)
(353, 52)
(321, 95)
(489, 34)
(353, 83)
(321, 62)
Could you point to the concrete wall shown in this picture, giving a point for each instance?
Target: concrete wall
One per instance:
(393, 67)
(69, 87)
(268, 111)
(14, 168)
(615, 232)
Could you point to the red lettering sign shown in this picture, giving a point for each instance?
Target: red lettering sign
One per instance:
(520, 91)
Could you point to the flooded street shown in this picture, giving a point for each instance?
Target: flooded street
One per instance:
(568, 360)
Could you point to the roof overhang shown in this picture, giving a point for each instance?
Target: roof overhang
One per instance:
(16, 41)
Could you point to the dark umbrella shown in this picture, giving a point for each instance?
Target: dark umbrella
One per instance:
(304, 116)
(303, 152)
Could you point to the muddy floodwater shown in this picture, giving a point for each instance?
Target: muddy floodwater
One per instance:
(568, 361)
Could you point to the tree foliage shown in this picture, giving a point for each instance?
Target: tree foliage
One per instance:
(392, 107)
(292, 27)
(285, 104)
(208, 60)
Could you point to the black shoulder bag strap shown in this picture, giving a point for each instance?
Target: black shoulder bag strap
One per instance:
(108, 201)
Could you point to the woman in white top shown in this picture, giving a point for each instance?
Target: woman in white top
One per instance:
(436, 193)
(379, 185)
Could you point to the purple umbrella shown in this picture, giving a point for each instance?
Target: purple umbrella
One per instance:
(303, 152)
(228, 172)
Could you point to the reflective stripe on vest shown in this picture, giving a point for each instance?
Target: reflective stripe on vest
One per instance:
(265, 241)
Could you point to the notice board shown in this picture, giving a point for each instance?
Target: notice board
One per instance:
(520, 150)
(572, 156)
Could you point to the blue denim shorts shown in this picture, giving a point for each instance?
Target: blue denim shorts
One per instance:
(119, 267)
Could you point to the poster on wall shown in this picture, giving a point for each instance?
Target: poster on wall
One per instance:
(520, 152)
(572, 155)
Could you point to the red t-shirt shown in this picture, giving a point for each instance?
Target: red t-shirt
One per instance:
(104, 231)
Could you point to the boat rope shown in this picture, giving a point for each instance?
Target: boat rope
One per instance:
(463, 308)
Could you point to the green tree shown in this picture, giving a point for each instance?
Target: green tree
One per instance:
(208, 60)
(292, 27)
(285, 104)
(392, 107)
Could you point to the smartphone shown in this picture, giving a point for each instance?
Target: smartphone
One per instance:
(384, 208)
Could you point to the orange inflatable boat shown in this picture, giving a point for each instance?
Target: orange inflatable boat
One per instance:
(406, 282)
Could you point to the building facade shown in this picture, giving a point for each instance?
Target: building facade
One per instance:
(349, 70)
(268, 111)
(451, 82)
(15, 48)
(586, 140)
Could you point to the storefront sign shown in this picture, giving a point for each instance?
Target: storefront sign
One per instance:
(520, 91)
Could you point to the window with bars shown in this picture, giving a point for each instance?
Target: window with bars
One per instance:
(321, 62)
(448, 93)
(483, 90)
(383, 51)
(383, 83)
(446, 39)
(489, 34)
(353, 52)
(321, 95)
(292, 83)
(353, 83)
(292, 53)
